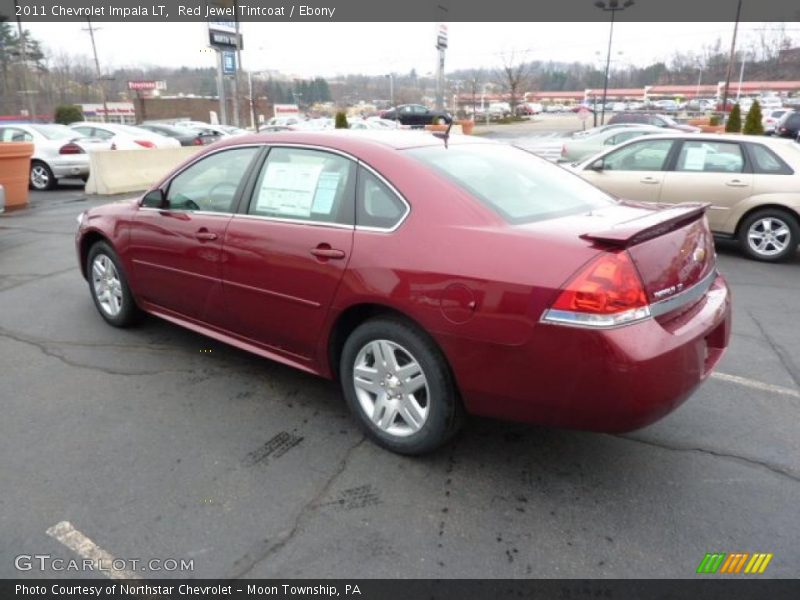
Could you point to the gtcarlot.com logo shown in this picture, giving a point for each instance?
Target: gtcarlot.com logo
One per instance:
(734, 563)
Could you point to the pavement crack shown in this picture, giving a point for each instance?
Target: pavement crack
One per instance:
(717, 454)
(779, 351)
(34, 278)
(302, 515)
(44, 348)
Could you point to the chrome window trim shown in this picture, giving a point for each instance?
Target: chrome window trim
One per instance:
(207, 213)
(194, 162)
(347, 155)
(295, 221)
(393, 189)
(358, 162)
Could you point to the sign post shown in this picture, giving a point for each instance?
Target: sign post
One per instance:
(441, 46)
(225, 38)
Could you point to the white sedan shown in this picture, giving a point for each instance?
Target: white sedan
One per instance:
(125, 137)
(58, 151)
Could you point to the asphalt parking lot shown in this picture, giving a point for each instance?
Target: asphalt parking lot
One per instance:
(155, 442)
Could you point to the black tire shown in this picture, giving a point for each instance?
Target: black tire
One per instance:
(445, 412)
(41, 177)
(128, 311)
(777, 217)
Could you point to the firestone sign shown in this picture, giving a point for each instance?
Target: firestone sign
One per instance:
(147, 85)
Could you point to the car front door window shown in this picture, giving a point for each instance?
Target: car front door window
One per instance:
(210, 184)
(648, 155)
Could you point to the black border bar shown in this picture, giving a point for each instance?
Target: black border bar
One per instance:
(405, 10)
(701, 588)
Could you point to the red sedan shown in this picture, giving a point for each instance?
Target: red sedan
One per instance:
(429, 279)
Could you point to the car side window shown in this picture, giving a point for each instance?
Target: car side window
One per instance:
(376, 204)
(210, 184)
(711, 157)
(101, 134)
(767, 162)
(12, 134)
(307, 185)
(647, 155)
(87, 131)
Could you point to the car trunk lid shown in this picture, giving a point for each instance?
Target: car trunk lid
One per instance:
(673, 248)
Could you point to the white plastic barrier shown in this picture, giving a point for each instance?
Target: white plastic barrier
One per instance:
(121, 171)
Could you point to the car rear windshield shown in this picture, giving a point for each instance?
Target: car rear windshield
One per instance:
(514, 183)
(56, 132)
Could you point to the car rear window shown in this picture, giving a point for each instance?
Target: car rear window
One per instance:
(55, 132)
(514, 183)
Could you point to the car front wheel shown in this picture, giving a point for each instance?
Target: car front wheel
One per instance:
(109, 287)
(399, 387)
(41, 176)
(769, 235)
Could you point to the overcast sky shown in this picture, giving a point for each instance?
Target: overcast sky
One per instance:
(309, 49)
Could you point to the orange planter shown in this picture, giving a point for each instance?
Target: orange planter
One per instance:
(15, 167)
(467, 126)
(712, 128)
(435, 127)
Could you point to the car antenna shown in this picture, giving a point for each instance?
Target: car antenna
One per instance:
(446, 135)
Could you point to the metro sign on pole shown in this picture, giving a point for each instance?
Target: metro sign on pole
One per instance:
(441, 37)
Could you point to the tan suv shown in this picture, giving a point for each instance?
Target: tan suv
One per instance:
(752, 183)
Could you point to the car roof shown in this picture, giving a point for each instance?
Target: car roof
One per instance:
(353, 141)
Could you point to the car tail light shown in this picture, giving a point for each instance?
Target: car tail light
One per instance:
(607, 292)
(145, 143)
(71, 149)
(198, 141)
(563, 149)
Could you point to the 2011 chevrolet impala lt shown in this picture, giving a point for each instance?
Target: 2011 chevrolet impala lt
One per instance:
(429, 277)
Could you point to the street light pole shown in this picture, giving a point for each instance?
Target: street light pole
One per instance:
(613, 7)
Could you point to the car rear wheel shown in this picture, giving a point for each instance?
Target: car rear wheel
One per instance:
(769, 235)
(109, 287)
(41, 176)
(399, 386)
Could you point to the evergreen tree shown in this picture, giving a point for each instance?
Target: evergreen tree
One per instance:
(752, 123)
(734, 124)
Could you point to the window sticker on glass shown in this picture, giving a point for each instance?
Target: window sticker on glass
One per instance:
(327, 186)
(695, 159)
(287, 189)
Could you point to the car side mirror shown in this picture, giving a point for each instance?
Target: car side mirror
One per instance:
(154, 199)
(597, 165)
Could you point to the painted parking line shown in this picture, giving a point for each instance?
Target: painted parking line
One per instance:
(756, 385)
(102, 561)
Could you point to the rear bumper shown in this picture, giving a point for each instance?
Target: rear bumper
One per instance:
(611, 380)
(70, 168)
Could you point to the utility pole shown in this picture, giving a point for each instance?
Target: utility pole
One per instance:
(24, 54)
(730, 59)
(90, 29)
(236, 68)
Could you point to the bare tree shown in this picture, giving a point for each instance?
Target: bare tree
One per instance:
(514, 76)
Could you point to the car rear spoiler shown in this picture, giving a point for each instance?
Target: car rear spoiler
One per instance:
(658, 222)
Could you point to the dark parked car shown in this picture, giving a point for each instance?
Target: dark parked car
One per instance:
(789, 125)
(186, 137)
(416, 115)
(652, 119)
(381, 260)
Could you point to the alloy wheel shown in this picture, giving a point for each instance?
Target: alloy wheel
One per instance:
(769, 236)
(391, 387)
(107, 285)
(40, 178)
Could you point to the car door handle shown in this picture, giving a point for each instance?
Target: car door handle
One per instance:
(649, 180)
(736, 183)
(324, 251)
(204, 235)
